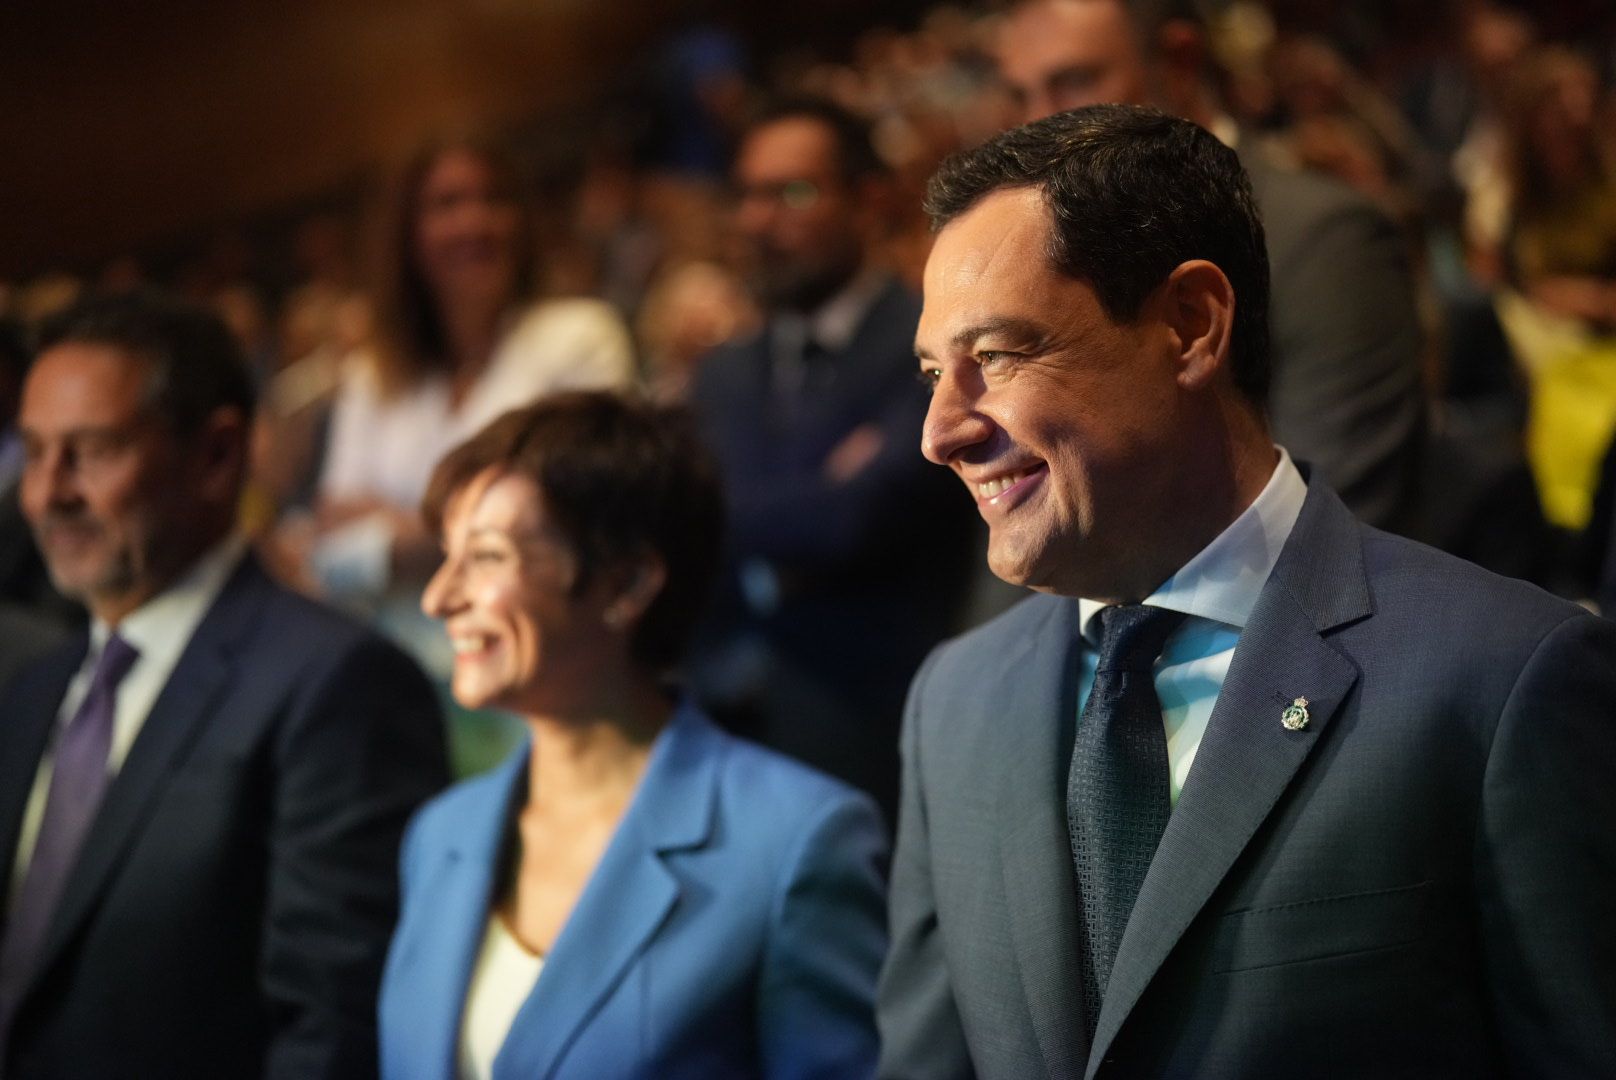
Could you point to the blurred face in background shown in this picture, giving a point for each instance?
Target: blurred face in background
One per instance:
(1055, 55)
(467, 230)
(798, 215)
(118, 503)
(522, 639)
(1562, 125)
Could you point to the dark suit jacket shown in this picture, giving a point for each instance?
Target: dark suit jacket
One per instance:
(732, 929)
(1346, 393)
(230, 908)
(871, 572)
(1417, 883)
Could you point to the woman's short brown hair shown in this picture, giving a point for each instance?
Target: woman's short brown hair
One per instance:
(621, 478)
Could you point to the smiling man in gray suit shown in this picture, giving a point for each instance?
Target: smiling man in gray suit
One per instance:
(1254, 789)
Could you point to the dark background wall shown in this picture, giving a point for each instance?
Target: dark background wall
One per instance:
(123, 123)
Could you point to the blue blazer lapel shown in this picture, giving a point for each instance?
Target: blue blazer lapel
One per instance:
(1033, 841)
(1247, 757)
(202, 674)
(629, 896)
(458, 892)
(29, 714)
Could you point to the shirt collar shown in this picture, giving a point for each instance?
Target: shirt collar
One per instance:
(161, 627)
(1222, 581)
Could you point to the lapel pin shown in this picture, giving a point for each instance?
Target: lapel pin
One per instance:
(1295, 716)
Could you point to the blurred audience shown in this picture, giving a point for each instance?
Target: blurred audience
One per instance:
(458, 340)
(1560, 248)
(633, 886)
(1347, 390)
(1338, 123)
(689, 310)
(1558, 259)
(201, 798)
(14, 361)
(847, 550)
(1479, 127)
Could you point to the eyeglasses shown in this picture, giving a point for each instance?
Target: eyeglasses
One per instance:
(791, 194)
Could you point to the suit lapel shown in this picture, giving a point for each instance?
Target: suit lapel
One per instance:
(1247, 757)
(187, 699)
(629, 896)
(1034, 844)
(459, 894)
(25, 728)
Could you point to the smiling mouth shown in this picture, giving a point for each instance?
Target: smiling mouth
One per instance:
(1001, 490)
(469, 644)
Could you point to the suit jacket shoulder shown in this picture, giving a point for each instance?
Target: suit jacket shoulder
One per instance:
(1346, 391)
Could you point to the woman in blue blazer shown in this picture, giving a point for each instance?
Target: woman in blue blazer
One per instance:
(634, 893)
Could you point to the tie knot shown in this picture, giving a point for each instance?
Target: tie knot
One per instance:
(1132, 635)
(117, 657)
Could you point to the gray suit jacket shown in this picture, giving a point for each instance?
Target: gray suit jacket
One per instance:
(1346, 393)
(1417, 883)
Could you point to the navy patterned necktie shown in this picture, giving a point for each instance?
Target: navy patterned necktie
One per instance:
(78, 780)
(1117, 793)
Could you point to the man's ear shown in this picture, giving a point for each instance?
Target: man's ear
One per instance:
(220, 449)
(1198, 305)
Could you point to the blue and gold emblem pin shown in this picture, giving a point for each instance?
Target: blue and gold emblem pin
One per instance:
(1295, 716)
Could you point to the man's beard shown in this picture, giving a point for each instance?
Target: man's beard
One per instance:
(797, 286)
(113, 569)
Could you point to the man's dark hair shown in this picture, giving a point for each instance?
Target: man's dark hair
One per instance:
(856, 158)
(621, 478)
(197, 363)
(1132, 193)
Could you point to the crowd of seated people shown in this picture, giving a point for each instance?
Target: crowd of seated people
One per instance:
(637, 467)
(1438, 204)
(1481, 134)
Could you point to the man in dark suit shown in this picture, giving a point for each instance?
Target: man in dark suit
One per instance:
(1255, 789)
(201, 798)
(1346, 393)
(827, 605)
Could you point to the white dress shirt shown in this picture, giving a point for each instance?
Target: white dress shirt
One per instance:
(159, 630)
(503, 978)
(1217, 590)
(385, 446)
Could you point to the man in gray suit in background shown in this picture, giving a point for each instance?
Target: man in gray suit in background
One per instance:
(1254, 789)
(1346, 393)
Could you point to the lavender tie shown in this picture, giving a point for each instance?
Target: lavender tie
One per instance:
(78, 780)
